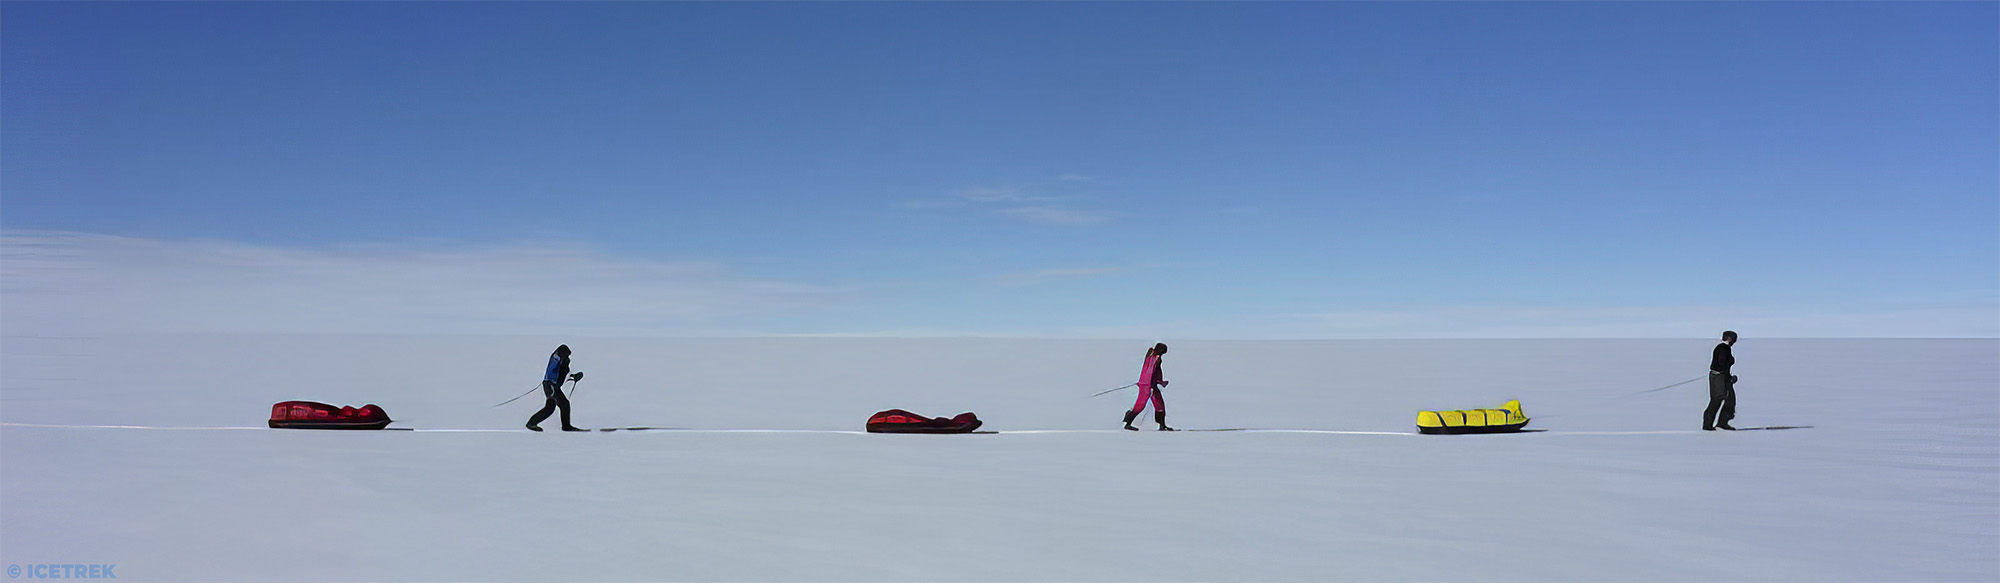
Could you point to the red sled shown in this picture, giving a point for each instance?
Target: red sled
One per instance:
(311, 415)
(900, 421)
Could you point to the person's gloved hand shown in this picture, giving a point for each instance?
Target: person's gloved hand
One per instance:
(1732, 379)
(573, 377)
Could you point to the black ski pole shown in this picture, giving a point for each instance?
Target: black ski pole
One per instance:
(576, 380)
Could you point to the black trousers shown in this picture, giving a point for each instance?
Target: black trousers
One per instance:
(556, 399)
(1721, 401)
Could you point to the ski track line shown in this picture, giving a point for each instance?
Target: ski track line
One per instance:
(847, 432)
(46, 426)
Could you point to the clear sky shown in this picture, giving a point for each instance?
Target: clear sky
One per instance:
(1172, 170)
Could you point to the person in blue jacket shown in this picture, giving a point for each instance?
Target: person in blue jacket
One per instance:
(552, 381)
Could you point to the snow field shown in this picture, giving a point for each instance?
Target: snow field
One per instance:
(1898, 478)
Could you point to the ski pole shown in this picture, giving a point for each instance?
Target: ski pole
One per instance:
(576, 380)
(1117, 389)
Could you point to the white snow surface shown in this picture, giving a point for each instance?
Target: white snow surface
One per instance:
(1897, 478)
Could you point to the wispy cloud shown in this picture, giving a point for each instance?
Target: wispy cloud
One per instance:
(1016, 203)
(978, 197)
(1034, 277)
(931, 203)
(1972, 315)
(1002, 195)
(1972, 318)
(72, 282)
(1050, 215)
(1511, 322)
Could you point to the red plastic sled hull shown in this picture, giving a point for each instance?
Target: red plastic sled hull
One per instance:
(900, 421)
(323, 425)
(903, 428)
(315, 415)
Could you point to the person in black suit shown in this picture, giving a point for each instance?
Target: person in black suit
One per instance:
(1721, 386)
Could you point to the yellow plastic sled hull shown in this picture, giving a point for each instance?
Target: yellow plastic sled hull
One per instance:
(1506, 419)
(1472, 429)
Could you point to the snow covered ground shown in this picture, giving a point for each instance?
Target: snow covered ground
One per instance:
(1898, 477)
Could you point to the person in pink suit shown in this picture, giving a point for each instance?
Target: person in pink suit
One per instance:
(1151, 379)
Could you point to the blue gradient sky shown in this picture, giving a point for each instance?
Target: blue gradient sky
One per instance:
(1098, 169)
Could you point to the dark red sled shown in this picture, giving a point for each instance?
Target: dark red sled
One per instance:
(311, 415)
(900, 421)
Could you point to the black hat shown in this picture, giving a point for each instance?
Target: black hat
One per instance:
(562, 350)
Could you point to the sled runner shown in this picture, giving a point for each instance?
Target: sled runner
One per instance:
(311, 415)
(900, 421)
(1506, 419)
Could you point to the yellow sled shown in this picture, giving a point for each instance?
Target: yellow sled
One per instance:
(1507, 419)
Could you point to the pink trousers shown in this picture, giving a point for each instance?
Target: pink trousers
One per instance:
(1148, 392)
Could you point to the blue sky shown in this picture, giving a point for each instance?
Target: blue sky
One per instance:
(1234, 170)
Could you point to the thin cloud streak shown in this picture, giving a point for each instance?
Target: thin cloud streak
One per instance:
(1002, 195)
(1060, 216)
(73, 282)
(1968, 319)
(1015, 204)
(1965, 315)
(1034, 277)
(82, 284)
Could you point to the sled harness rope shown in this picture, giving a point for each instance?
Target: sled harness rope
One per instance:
(574, 380)
(530, 391)
(1672, 385)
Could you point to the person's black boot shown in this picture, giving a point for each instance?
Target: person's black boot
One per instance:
(1160, 417)
(1724, 426)
(1129, 416)
(569, 428)
(534, 427)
